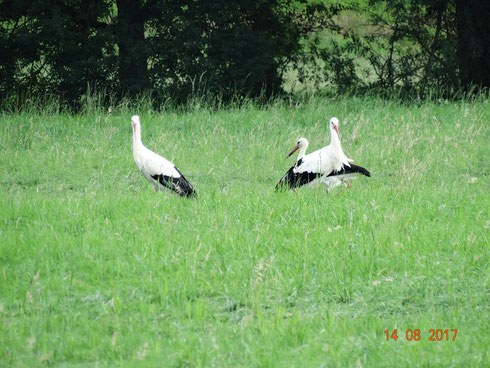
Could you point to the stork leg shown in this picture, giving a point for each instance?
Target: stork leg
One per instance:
(347, 186)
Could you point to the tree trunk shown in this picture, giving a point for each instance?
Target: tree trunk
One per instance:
(133, 64)
(472, 17)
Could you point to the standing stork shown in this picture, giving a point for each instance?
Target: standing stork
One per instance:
(160, 172)
(328, 165)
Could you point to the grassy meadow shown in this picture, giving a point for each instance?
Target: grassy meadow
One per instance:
(98, 270)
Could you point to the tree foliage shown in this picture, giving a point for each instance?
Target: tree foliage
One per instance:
(177, 49)
(163, 47)
(413, 46)
(53, 47)
(223, 47)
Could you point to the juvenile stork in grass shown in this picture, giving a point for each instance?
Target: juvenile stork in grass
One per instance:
(328, 165)
(160, 172)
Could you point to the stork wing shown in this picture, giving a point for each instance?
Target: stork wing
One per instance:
(294, 179)
(305, 171)
(350, 170)
(166, 174)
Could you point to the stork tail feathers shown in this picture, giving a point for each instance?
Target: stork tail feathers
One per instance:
(352, 169)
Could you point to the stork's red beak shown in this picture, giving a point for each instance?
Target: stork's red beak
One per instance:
(294, 150)
(337, 130)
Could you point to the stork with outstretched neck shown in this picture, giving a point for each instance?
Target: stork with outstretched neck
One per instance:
(160, 172)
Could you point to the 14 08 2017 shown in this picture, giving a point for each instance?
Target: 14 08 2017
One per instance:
(415, 335)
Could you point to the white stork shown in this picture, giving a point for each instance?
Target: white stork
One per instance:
(160, 172)
(328, 165)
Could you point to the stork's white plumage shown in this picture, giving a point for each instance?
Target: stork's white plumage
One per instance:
(328, 165)
(160, 172)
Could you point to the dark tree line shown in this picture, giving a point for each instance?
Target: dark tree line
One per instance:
(175, 49)
(473, 50)
(127, 47)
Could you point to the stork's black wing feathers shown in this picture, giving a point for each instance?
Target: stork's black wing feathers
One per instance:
(185, 185)
(353, 169)
(179, 185)
(294, 179)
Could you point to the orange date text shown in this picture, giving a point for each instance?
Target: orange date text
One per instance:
(415, 335)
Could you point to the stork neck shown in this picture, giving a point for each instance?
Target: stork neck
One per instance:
(302, 152)
(137, 137)
(334, 139)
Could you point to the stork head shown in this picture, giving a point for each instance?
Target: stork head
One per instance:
(135, 121)
(334, 125)
(302, 142)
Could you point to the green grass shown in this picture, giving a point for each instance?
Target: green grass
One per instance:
(98, 270)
